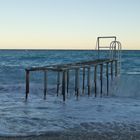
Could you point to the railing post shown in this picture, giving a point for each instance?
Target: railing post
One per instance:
(45, 84)
(95, 80)
(27, 83)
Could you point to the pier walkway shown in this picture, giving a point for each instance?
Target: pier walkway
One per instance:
(109, 66)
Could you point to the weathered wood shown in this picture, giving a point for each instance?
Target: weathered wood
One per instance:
(27, 83)
(45, 84)
(58, 82)
(64, 85)
(101, 79)
(95, 80)
(83, 84)
(107, 78)
(89, 81)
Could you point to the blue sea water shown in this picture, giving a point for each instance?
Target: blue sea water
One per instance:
(35, 116)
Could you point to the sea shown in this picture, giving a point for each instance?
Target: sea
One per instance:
(38, 116)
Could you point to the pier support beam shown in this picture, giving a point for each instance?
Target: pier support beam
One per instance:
(64, 85)
(116, 68)
(27, 83)
(77, 82)
(89, 81)
(45, 84)
(58, 82)
(83, 84)
(95, 80)
(101, 79)
(111, 70)
(107, 78)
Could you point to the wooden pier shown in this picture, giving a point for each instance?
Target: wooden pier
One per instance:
(102, 69)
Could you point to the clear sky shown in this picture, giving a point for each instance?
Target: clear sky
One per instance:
(68, 24)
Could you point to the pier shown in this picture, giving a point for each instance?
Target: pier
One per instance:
(108, 67)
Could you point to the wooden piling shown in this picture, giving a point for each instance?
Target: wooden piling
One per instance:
(89, 81)
(58, 82)
(107, 78)
(45, 84)
(83, 84)
(27, 83)
(101, 79)
(64, 85)
(95, 80)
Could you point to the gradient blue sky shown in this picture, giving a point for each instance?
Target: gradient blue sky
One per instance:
(67, 24)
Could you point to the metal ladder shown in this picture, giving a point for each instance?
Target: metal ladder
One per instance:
(114, 48)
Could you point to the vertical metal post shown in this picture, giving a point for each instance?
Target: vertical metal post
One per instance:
(98, 47)
(116, 68)
(58, 82)
(45, 84)
(64, 85)
(111, 69)
(83, 87)
(95, 80)
(77, 82)
(89, 82)
(27, 83)
(101, 79)
(107, 78)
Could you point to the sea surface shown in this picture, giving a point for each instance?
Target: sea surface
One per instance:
(37, 116)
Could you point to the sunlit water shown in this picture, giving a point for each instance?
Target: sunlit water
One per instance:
(36, 116)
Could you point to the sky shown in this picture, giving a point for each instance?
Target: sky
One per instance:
(68, 24)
